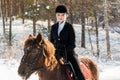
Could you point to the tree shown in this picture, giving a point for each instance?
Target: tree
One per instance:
(96, 25)
(3, 14)
(107, 30)
(10, 23)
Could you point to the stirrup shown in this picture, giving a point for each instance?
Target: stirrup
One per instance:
(76, 78)
(72, 70)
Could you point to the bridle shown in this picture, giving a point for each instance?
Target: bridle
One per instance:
(36, 58)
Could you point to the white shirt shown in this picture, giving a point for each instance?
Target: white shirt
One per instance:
(60, 27)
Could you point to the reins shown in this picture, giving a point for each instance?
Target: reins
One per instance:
(36, 57)
(31, 64)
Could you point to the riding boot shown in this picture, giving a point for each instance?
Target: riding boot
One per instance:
(76, 68)
(79, 74)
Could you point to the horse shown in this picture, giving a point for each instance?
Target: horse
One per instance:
(39, 57)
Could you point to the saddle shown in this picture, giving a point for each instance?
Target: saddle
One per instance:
(69, 70)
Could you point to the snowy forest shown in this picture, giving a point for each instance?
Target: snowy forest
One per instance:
(96, 24)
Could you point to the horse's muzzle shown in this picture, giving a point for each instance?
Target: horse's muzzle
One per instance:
(23, 72)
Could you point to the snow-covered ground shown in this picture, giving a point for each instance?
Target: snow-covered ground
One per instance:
(8, 70)
(10, 57)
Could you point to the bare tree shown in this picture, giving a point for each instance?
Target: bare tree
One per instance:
(10, 17)
(3, 14)
(96, 25)
(107, 30)
(83, 24)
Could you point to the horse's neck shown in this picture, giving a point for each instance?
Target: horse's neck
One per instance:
(54, 72)
(50, 63)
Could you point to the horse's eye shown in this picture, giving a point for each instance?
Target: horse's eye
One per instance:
(26, 50)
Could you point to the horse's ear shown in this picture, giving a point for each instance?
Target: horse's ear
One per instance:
(30, 36)
(39, 37)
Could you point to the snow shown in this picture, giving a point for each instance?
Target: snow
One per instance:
(8, 70)
(111, 73)
(10, 57)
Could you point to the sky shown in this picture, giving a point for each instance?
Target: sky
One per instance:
(10, 57)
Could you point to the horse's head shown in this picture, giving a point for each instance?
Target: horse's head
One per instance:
(36, 50)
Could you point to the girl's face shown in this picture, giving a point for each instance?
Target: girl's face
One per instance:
(61, 17)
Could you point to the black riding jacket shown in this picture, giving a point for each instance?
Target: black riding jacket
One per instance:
(66, 39)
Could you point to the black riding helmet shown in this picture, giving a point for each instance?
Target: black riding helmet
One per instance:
(61, 9)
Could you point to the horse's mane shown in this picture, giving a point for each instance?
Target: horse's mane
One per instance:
(32, 40)
(49, 49)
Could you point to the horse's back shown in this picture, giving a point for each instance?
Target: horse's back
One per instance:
(92, 66)
(88, 68)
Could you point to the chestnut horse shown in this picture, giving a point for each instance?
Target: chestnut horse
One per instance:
(39, 57)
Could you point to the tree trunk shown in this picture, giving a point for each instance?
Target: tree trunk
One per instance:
(6, 10)
(71, 15)
(90, 41)
(97, 41)
(21, 10)
(108, 44)
(107, 31)
(10, 17)
(83, 31)
(83, 26)
(34, 18)
(1, 8)
(34, 25)
(3, 14)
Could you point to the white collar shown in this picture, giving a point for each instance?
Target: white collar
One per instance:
(60, 27)
(62, 23)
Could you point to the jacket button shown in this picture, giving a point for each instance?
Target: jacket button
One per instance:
(59, 39)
